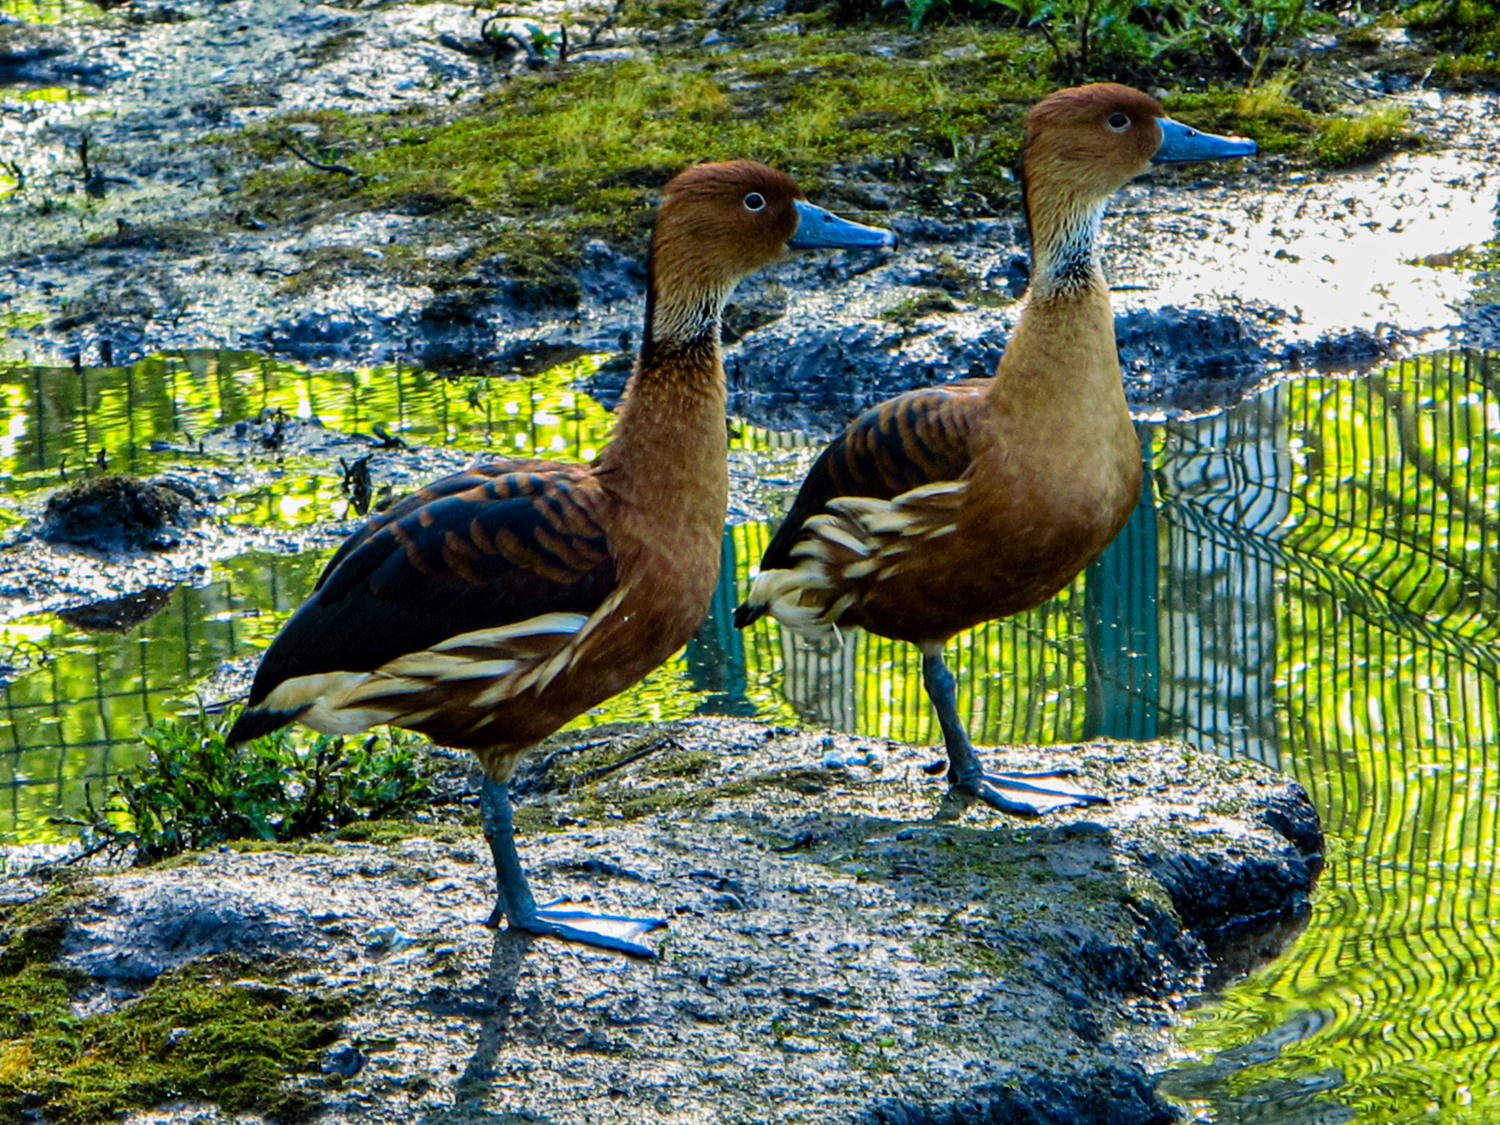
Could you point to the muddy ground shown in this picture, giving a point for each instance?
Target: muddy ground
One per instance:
(842, 945)
(132, 232)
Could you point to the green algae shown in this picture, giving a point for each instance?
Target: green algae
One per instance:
(221, 1030)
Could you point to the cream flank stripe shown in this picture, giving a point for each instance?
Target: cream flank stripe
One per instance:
(506, 655)
(875, 531)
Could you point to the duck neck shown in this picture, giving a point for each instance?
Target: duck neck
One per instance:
(1062, 359)
(668, 453)
(1064, 246)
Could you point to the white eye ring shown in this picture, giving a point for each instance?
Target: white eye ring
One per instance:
(1118, 122)
(755, 202)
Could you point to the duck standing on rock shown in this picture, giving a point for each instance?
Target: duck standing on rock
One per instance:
(492, 607)
(946, 507)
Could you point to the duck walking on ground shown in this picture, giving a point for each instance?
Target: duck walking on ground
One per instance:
(492, 607)
(943, 508)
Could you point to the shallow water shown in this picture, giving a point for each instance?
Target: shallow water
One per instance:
(1310, 581)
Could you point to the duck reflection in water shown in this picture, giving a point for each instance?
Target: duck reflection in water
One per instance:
(945, 507)
(493, 606)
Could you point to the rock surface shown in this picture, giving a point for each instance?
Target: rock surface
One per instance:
(843, 945)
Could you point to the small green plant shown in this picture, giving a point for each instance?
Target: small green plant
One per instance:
(1375, 131)
(1469, 30)
(1468, 26)
(1132, 39)
(195, 792)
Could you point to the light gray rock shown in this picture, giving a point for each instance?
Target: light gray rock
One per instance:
(842, 944)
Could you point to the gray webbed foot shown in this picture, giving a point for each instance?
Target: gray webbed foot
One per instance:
(514, 903)
(603, 931)
(1023, 794)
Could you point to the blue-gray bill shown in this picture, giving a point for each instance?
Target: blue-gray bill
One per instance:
(819, 228)
(1180, 142)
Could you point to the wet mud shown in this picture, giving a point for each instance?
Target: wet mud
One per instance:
(1221, 283)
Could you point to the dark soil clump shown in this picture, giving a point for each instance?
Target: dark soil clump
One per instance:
(118, 513)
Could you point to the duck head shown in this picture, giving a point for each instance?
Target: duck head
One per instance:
(717, 224)
(1085, 143)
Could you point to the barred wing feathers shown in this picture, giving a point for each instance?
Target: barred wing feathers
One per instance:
(899, 466)
(463, 593)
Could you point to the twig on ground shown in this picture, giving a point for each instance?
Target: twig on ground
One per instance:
(343, 169)
(650, 748)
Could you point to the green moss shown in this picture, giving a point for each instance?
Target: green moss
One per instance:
(584, 149)
(913, 309)
(204, 1032)
(687, 763)
(971, 950)
(659, 14)
(299, 847)
(34, 931)
(1377, 130)
(1468, 28)
(535, 817)
(386, 832)
(1266, 114)
(198, 1033)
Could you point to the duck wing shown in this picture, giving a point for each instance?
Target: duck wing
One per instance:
(491, 567)
(915, 439)
(473, 477)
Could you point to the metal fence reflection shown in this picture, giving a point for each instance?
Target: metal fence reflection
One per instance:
(1310, 580)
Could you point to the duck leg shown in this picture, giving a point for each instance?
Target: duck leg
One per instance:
(514, 901)
(1021, 794)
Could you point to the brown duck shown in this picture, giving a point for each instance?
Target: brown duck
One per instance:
(495, 605)
(946, 507)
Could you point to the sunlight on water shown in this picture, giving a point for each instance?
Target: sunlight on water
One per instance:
(1386, 659)
(1310, 580)
(51, 11)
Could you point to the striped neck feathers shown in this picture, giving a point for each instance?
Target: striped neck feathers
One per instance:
(669, 428)
(681, 325)
(1064, 237)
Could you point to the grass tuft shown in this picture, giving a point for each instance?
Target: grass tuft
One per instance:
(1377, 130)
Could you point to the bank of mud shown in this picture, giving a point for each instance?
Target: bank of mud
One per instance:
(145, 221)
(842, 945)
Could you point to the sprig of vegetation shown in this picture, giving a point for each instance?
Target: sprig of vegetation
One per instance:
(195, 792)
(1469, 30)
(1138, 39)
(1376, 130)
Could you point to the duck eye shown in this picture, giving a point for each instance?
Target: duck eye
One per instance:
(755, 202)
(1118, 121)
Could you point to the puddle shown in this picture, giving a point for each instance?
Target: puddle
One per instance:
(1310, 581)
(1337, 255)
(51, 11)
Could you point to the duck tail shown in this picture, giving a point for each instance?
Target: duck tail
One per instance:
(257, 722)
(748, 613)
